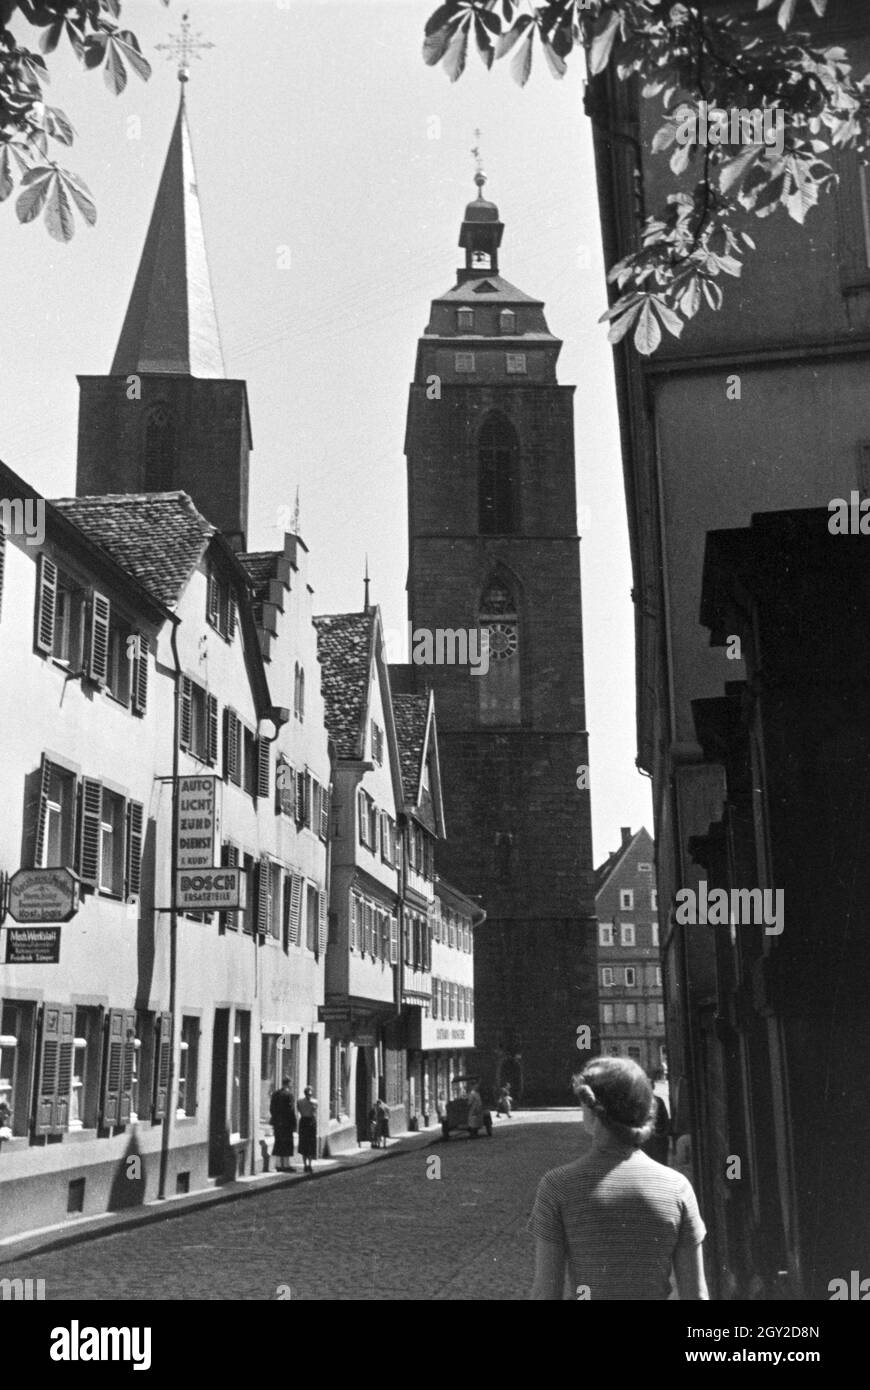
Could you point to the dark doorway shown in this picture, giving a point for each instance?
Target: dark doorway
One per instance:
(363, 1095)
(218, 1131)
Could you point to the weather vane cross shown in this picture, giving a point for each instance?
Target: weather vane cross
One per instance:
(184, 47)
(479, 176)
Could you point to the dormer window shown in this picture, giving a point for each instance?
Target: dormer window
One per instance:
(507, 321)
(465, 320)
(515, 363)
(221, 609)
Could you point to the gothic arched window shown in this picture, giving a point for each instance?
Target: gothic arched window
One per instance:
(159, 450)
(498, 459)
(499, 687)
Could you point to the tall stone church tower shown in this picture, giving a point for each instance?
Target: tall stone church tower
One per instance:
(493, 545)
(166, 418)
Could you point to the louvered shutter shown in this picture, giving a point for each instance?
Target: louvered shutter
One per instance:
(300, 798)
(128, 1066)
(42, 812)
(186, 721)
(55, 1069)
(2, 561)
(46, 602)
(322, 922)
(231, 617)
(263, 759)
(285, 787)
(315, 805)
(162, 1058)
(309, 788)
(394, 939)
(213, 601)
(354, 928)
(98, 659)
(140, 674)
(211, 719)
(90, 818)
(230, 860)
(231, 746)
(324, 813)
(135, 827)
(296, 909)
(113, 1074)
(261, 921)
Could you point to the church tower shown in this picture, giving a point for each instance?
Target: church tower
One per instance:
(493, 546)
(166, 417)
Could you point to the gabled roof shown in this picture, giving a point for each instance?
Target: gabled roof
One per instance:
(260, 568)
(412, 715)
(344, 646)
(472, 290)
(612, 862)
(158, 537)
(171, 324)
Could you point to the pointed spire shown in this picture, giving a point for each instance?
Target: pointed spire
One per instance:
(366, 582)
(296, 513)
(171, 325)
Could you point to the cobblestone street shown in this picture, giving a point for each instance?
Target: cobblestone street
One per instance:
(383, 1231)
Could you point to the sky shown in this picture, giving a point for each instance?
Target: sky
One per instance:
(333, 168)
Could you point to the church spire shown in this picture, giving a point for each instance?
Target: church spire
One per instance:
(171, 325)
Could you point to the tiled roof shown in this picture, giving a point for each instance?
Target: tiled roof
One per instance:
(260, 567)
(410, 713)
(473, 289)
(344, 645)
(158, 537)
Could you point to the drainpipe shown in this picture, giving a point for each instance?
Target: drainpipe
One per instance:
(173, 920)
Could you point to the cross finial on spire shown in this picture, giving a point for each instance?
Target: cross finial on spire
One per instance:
(183, 47)
(480, 176)
(296, 513)
(366, 581)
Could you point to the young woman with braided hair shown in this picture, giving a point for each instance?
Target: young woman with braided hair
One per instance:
(615, 1221)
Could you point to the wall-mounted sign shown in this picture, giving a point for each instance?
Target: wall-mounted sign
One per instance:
(333, 1013)
(211, 890)
(33, 946)
(43, 895)
(198, 822)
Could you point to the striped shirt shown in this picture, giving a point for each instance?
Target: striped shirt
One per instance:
(619, 1217)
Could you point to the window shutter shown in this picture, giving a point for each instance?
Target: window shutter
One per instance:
(324, 813)
(161, 1069)
(262, 924)
(98, 662)
(309, 797)
(322, 922)
(186, 730)
(2, 561)
(42, 812)
(117, 1077)
(285, 787)
(213, 601)
(140, 675)
(46, 601)
(128, 1054)
(55, 1069)
(394, 939)
(354, 921)
(231, 617)
(89, 831)
(427, 947)
(211, 721)
(300, 797)
(231, 746)
(362, 815)
(263, 751)
(230, 860)
(135, 826)
(296, 909)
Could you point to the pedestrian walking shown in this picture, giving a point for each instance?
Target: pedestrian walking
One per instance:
(614, 1220)
(307, 1129)
(505, 1100)
(383, 1122)
(475, 1112)
(282, 1111)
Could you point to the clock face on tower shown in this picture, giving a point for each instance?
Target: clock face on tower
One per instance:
(502, 640)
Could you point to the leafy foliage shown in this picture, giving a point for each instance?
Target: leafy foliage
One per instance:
(693, 62)
(28, 123)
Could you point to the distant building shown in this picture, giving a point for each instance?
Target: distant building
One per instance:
(632, 1011)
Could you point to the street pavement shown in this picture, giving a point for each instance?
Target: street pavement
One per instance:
(440, 1221)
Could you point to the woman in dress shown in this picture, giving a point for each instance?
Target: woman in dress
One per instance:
(308, 1129)
(614, 1220)
(282, 1110)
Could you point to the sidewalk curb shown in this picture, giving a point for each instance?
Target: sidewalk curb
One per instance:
(111, 1223)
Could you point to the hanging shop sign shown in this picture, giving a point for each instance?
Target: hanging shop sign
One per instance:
(211, 890)
(33, 946)
(198, 822)
(43, 895)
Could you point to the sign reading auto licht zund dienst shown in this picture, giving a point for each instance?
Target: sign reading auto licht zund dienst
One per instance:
(198, 823)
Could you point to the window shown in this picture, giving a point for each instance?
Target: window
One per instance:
(299, 692)
(368, 832)
(111, 870)
(57, 849)
(143, 1066)
(515, 363)
(339, 1072)
(59, 619)
(377, 744)
(120, 660)
(388, 839)
(497, 472)
(658, 976)
(607, 976)
(605, 934)
(660, 1013)
(626, 934)
(654, 899)
(465, 320)
(507, 321)
(655, 933)
(220, 605)
(311, 917)
(240, 1109)
(631, 1013)
(626, 899)
(463, 361)
(159, 450)
(630, 977)
(644, 868)
(198, 733)
(188, 1066)
(16, 1060)
(606, 1013)
(634, 1053)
